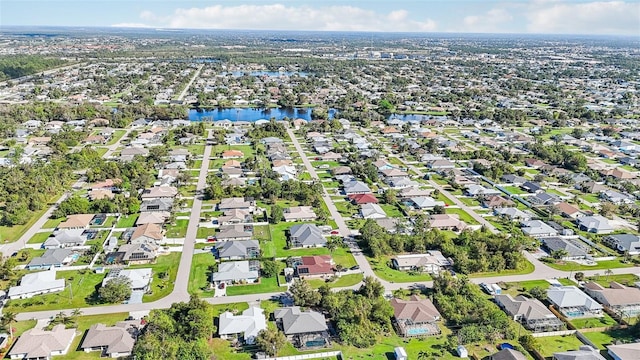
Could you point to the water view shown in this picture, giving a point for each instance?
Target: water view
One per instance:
(252, 114)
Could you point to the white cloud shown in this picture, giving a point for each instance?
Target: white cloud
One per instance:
(131, 25)
(493, 21)
(604, 17)
(281, 17)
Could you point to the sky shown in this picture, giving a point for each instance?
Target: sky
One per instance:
(602, 17)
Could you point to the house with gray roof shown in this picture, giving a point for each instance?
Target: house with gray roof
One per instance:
(573, 250)
(52, 258)
(154, 205)
(306, 235)
(66, 238)
(538, 228)
(508, 354)
(233, 272)
(512, 213)
(112, 341)
(372, 211)
(530, 312)
(42, 344)
(624, 351)
(244, 327)
(424, 202)
(596, 224)
(32, 284)
(237, 250)
(624, 242)
(304, 328)
(584, 352)
(356, 187)
(623, 300)
(573, 303)
(616, 197)
(233, 232)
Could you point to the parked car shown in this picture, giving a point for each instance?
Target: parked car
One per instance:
(355, 267)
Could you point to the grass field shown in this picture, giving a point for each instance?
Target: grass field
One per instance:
(601, 265)
(167, 264)
(463, 215)
(266, 285)
(116, 136)
(127, 221)
(199, 277)
(392, 210)
(204, 232)
(624, 279)
(602, 339)
(589, 323)
(551, 344)
(514, 190)
(39, 238)
(383, 271)
(52, 223)
(179, 230)
(342, 281)
(83, 324)
(526, 269)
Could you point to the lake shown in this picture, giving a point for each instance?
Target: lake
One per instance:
(265, 73)
(252, 114)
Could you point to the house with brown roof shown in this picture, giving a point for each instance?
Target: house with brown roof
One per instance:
(159, 192)
(494, 201)
(390, 130)
(415, 317)
(568, 210)
(42, 344)
(77, 221)
(232, 164)
(143, 253)
(447, 222)
(147, 234)
(107, 184)
(623, 300)
(95, 139)
(534, 163)
(530, 312)
(99, 194)
(299, 213)
(232, 154)
(112, 341)
(314, 266)
(618, 174)
(329, 156)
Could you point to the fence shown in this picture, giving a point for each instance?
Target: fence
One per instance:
(329, 354)
(554, 333)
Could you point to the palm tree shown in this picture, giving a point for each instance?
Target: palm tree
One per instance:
(608, 272)
(8, 317)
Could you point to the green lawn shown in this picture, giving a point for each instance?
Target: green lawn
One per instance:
(469, 201)
(116, 136)
(199, 277)
(83, 324)
(261, 232)
(32, 254)
(515, 190)
(161, 287)
(392, 210)
(383, 271)
(463, 215)
(179, 230)
(266, 285)
(52, 223)
(444, 199)
(127, 221)
(342, 281)
(624, 279)
(602, 339)
(204, 232)
(550, 344)
(527, 268)
(589, 323)
(592, 198)
(39, 238)
(601, 265)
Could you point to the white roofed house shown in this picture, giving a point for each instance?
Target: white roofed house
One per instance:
(299, 213)
(372, 211)
(233, 233)
(233, 272)
(595, 224)
(235, 203)
(32, 284)
(306, 235)
(66, 238)
(38, 344)
(140, 278)
(573, 303)
(245, 326)
(356, 187)
(431, 262)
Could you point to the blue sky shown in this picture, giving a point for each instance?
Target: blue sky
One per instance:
(478, 16)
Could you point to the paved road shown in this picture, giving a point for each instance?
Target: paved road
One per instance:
(193, 78)
(114, 147)
(180, 292)
(335, 214)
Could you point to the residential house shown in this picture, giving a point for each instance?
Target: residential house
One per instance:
(306, 235)
(543, 199)
(127, 154)
(531, 187)
(572, 248)
(415, 317)
(496, 201)
(591, 187)
(141, 253)
(508, 354)
(314, 266)
(431, 262)
(286, 172)
(514, 179)
(424, 203)
(38, 344)
(147, 234)
(568, 210)
(596, 224)
(235, 203)
(65, 239)
(237, 250)
(341, 170)
(534, 163)
(410, 192)
(441, 164)
(112, 341)
(537, 229)
(479, 190)
(447, 222)
(52, 258)
(162, 204)
(304, 328)
(153, 217)
(234, 232)
(616, 197)
(78, 221)
(244, 327)
(512, 213)
(139, 279)
(331, 156)
(361, 199)
(584, 352)
(624, 243)
(530, 312)
(618, 173)
(233, 272)
(99, 194)
(299, 213)
(623, 300)
(372, 211)
(356, 187)
(159, 192)
(573, 303)
(624, 351)
(235, 216)
(32, 284)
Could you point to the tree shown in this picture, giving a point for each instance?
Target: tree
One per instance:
(607, 208)
(8, 317)
(271, 341)
(528, 342)
(269, 268)
(559, 254)
(390, 196)
(303, 294)
(579, 276)
(333, 243)
(371, 288)
(277, 214)
(608, 272)
(538, 293)
(116, 290)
